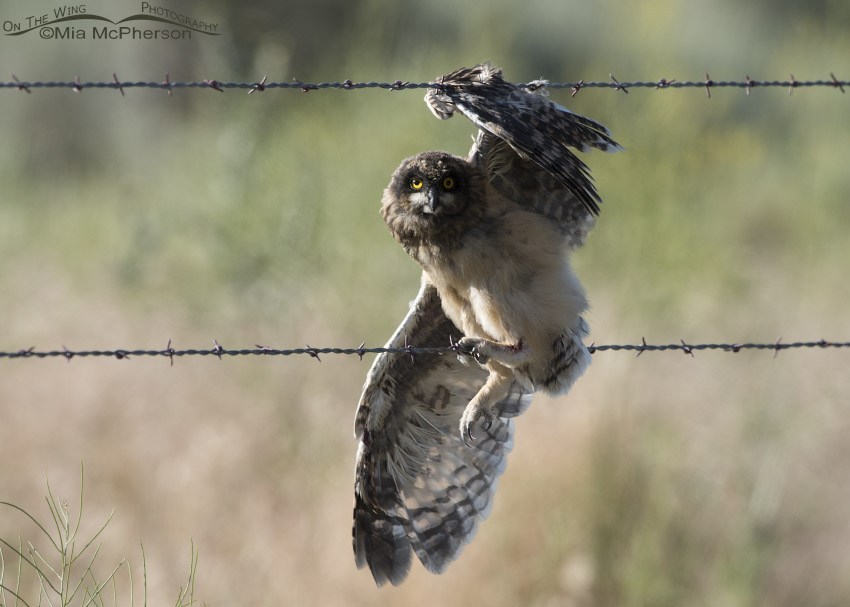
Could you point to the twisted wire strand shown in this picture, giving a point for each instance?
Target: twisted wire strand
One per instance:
(219, 351)
(663, 83)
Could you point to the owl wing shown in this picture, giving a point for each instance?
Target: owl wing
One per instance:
(418, 486)
(533, 126)
(529, 185)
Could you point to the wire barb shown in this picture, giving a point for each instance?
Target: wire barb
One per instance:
(619, 85)
(708, 84)
(22, 87)
(118, 83)
(169, 352)
(259, 86)
(576, 88)
(410, 350)
(305, 87)
(214, 84)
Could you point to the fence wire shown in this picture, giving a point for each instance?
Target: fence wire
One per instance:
(261, 85)
(219, 351)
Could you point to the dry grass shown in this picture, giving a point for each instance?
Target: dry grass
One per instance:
(660, 480)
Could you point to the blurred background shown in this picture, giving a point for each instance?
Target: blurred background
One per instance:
(660, 480)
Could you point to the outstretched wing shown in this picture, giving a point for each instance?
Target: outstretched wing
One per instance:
(532, 125)
(418, 486)
(529, 185)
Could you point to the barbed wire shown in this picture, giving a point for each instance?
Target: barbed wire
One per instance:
(252, 87)
(219, 351)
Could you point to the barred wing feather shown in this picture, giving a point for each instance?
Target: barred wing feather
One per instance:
(418, 486)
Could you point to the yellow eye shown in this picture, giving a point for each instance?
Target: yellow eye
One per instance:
(416, 183)
(448, 183)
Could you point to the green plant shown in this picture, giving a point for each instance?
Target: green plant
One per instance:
(66, 575)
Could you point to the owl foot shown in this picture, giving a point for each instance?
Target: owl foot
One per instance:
(472, 347)
(472, 415)
(479, 414)
(482, 350)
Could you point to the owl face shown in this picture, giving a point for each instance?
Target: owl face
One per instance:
(431, 186)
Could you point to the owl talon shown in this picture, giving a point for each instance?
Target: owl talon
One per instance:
(474, 413)
(473, 347)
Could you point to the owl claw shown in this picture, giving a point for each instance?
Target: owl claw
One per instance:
(473, 347)
(473, 413)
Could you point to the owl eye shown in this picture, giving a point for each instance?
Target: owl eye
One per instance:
(449, 183)
(416, 183)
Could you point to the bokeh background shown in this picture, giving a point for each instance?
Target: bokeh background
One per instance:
(661, 480)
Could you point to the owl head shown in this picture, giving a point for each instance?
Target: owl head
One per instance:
(433, 198)
(431, 186)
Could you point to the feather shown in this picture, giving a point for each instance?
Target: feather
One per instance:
(534, 127)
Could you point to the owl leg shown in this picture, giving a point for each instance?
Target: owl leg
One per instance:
(569, 360)
(496, 387)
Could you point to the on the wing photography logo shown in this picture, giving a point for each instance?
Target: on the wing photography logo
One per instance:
(74, 22)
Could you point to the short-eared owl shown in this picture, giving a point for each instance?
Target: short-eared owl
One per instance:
(492, 233)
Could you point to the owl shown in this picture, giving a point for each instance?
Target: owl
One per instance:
(492, 233)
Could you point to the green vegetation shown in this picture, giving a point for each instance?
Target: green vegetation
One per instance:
(67, 572)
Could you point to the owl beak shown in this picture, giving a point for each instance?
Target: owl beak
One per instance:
(431, 202)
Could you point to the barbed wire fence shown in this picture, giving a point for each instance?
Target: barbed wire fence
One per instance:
(258, 350)
(708, 83)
